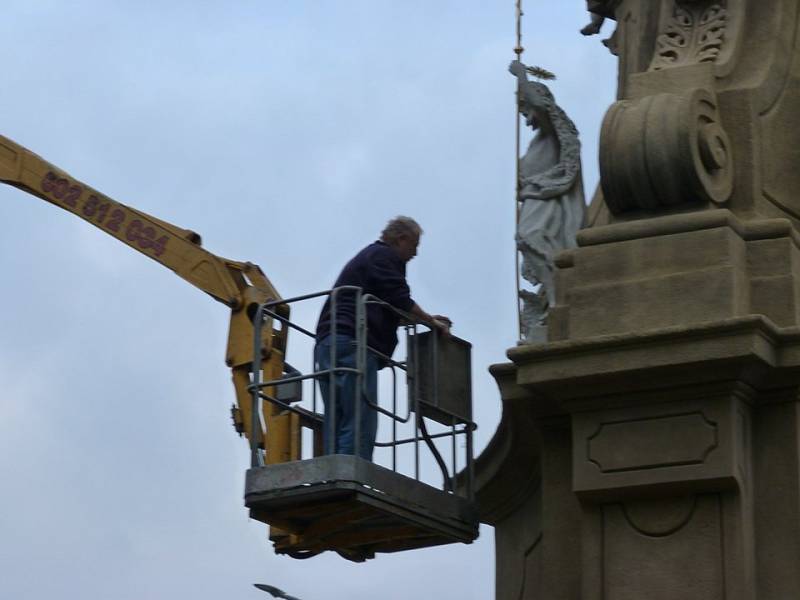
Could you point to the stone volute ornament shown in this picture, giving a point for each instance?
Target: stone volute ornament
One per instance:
(665, 150)
(666, 146)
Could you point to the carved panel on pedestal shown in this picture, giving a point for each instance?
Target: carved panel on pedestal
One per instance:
(622, 453)
(650, 443)
(646, 549)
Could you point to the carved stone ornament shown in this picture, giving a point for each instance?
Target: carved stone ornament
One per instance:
(665, 150)
(694, 34)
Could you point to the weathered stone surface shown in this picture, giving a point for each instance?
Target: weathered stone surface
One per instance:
(665, 568)
(647, 442)
(665, 150)
(651, 447)
(677, 270)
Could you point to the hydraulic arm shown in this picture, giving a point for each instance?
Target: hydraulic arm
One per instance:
(240, 286)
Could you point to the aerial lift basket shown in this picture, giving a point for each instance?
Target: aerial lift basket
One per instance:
(358, 508)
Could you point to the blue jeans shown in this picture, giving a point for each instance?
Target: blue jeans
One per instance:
(343, 414)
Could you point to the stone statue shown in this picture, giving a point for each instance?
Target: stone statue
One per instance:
(551, 192)
(600, 10)
(597, 19)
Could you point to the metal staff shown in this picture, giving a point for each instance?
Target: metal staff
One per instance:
(518, 50)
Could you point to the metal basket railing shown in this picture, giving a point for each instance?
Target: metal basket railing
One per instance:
(417, 406)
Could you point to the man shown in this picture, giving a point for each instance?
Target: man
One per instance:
(380, 270)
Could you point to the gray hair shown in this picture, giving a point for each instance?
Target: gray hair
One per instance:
(400, 226)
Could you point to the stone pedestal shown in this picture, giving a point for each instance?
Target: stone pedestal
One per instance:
(653, 451)
(650, 449)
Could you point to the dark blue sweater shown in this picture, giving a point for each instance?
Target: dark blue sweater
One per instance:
(377, 270)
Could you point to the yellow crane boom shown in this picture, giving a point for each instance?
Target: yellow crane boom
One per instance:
(242, 286)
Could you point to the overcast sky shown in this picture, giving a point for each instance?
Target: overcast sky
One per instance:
(286, 132)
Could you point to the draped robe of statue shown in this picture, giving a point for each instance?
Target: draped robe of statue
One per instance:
(551, 192)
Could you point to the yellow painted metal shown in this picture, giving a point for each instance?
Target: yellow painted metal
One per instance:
(240, 286)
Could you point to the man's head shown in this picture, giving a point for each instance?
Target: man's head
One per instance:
(402, 234)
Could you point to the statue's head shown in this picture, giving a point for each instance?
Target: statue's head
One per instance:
(536, 103)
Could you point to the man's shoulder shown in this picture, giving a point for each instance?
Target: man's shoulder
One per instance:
(367, 257)
(378, 251)
(374, 261)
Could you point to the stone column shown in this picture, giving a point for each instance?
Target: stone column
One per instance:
(651, 448)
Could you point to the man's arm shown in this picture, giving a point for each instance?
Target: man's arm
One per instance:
(390, 285)
(439, 322)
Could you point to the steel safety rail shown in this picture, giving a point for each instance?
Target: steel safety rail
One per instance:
(413, 379)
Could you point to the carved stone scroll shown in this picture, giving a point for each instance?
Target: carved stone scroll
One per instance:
(665, 150)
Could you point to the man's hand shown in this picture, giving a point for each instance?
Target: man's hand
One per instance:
(442, 323)
(437, 322)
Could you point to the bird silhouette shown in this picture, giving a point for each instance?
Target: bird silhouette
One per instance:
(274, 591)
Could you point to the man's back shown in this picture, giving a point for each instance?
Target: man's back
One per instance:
(377, 270)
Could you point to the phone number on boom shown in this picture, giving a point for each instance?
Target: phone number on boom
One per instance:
(104, 213)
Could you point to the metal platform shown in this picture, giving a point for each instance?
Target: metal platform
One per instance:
(355, 507)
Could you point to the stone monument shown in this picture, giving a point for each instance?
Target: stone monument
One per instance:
(650, 449)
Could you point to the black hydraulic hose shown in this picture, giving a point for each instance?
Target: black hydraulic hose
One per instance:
(448, 482)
